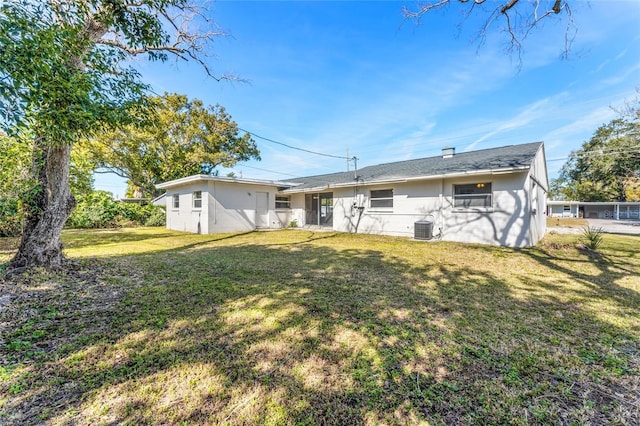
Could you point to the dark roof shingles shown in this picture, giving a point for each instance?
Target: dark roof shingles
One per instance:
(512, 156)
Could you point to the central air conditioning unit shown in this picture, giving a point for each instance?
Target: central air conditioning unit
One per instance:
(423, 230)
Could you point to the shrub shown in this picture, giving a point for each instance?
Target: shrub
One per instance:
(95, 210)
(10, 218)
(157, 218)
(593, 237)
(99, 210)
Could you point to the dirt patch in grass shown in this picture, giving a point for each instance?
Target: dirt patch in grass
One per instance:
(294, 327)
(566, 222)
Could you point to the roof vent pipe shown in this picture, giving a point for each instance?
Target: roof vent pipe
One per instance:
(448, 152)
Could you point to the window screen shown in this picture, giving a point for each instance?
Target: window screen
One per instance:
(197, 200)
(473, 195)
(382, 198)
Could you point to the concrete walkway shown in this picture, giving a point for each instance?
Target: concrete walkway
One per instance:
(629, 227)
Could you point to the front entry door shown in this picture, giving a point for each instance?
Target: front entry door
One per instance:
(326, 209)
(262, 209)
(311, 209)
(319, 209)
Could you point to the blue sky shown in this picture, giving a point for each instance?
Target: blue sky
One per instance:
(335, 76)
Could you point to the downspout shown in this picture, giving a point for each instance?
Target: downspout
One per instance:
(215, 206)
(441, 207)
(531, 217)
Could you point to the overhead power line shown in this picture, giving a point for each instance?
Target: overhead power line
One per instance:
(268, 171)
(295, 147)
(633, 150)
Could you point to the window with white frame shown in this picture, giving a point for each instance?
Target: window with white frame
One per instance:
(197, 199)
(283, 202)
(472, 196)
(381, 198)
(176, 201)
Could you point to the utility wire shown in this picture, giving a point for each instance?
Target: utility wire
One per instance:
(268, 171)
(634, 150)
(294, 147)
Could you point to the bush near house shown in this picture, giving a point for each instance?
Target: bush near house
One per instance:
(99, 210)
(10, 218)
(94, 210)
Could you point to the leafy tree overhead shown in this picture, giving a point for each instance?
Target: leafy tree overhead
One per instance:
(81, 170)
(186, 138)
(606, 167)
(64, 76)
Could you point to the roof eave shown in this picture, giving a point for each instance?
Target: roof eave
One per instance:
(499, 171)
(206, 178)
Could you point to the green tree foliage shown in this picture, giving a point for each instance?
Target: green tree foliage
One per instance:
(81, 171)
(99, 210)
(14, 181)
(186, 138)
(64, 76)
(605, 168)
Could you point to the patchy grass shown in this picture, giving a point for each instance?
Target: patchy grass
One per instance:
(297, 327)
(567, 222)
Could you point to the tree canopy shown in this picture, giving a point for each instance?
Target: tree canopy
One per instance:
(65, 74)
(606, 167)
(186, 138)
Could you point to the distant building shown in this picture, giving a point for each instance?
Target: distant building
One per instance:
(594, 210)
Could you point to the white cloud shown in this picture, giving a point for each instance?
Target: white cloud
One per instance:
(623, 76)
(531, 113)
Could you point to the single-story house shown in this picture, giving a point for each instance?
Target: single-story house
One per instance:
(617, 210)
(493, 196)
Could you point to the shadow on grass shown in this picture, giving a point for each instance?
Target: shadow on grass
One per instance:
(599, 285)
(303, 333)
(78, 238)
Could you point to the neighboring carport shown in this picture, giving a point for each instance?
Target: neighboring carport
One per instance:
(594, 210)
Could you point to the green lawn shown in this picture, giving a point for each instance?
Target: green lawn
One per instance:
(295, 327)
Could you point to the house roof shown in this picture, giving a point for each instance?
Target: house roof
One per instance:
(198, 178)
(505, 159)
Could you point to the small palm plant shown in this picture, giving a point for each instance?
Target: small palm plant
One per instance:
(593, 237)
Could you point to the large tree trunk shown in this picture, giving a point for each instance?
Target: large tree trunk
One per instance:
(46, 208)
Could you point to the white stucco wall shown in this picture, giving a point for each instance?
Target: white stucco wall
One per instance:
(411, 202)
(538, 185)
(187, 218)
(226, 207)
(506, 223)
(232, 207)
(297, 213)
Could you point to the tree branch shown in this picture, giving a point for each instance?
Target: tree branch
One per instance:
(518, 21)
